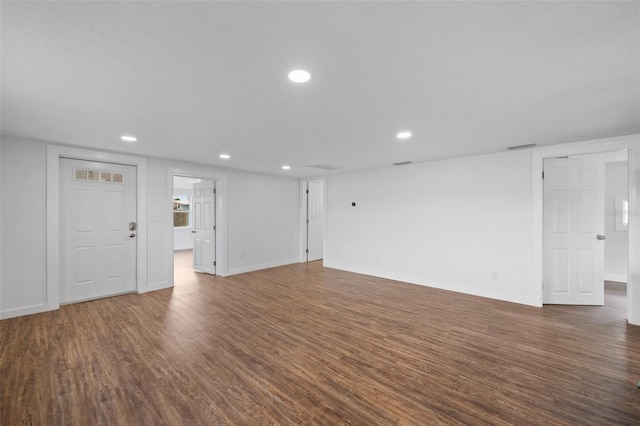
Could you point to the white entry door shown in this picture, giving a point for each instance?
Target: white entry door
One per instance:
(204, 232)
(574, 231)
(315, 220)
(97, 246)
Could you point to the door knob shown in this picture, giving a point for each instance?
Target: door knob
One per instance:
(193, 232)
(132, 235)
(600, 237)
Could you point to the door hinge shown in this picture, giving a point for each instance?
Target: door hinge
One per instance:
(307, 251)
(214, 227)
(307, 221)
(307, 191)
(214, 190)
(214, 263)
(542, 175)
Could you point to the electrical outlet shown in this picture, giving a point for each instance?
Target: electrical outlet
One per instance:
(495, 276)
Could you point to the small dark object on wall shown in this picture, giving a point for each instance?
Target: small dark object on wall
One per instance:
(353, 204)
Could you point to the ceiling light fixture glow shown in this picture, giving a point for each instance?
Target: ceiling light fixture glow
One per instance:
(285, 167)
(225, 156)
(299, 76)
(403, 135)
(127, 138)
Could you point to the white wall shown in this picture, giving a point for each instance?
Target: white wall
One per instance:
(263, 223)
(462, 224)
(23, 262)
(182, 239)
(1, 137)
(617, 242)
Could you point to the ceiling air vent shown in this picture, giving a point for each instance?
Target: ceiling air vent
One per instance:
(323, 167)
(402, 163)
(528, 145)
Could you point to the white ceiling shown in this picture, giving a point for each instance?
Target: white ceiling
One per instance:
(195, 79)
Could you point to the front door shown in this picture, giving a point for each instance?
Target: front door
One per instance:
(204, 233)
(573, 259)
(97, 229)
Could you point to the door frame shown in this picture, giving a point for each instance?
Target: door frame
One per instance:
(629, 143)
(220, 184)
(303, 216)
(54, 153)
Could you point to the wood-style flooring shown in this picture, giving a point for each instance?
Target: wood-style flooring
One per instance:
(303, 344)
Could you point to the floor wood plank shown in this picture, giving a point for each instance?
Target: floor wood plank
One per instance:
(303, 344)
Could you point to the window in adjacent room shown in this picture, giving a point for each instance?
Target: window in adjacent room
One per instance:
(181, 211)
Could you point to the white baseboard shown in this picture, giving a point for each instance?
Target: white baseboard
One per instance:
(259, 267)
(449, 286)
(44, 307)
(27, 310)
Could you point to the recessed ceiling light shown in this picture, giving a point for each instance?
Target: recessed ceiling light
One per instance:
(299, 76)
(225, 156)
(403, 135)
(285, 167)
(127, 138)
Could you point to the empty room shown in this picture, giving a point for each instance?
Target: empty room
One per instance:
(367, 213)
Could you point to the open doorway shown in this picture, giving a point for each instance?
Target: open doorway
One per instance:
(194, 226)
(616, 244)
(585, 234)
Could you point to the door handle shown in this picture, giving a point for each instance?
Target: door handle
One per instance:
(193, 232)
(132, 235)
(600, 237)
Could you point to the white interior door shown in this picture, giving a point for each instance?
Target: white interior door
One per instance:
(97, 242)
(204, 232)
(574, 231)
(315, 220)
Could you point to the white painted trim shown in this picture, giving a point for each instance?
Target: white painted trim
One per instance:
(54, 152)
(631, 143)
(633, 270)
(616, 278)
(221, 216)
(260, 267)
(25, 310)
(158, 286)
(303, 221)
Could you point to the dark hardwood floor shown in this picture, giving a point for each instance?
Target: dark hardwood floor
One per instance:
(302, 344)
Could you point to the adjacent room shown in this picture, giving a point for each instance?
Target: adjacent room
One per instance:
(338, 212)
